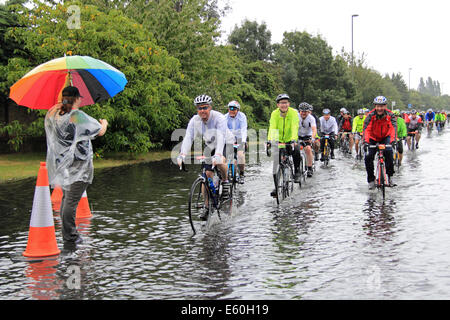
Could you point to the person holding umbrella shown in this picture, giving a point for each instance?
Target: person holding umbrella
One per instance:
(69, 133)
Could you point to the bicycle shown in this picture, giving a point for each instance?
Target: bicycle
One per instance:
(205, 196)
(284, 173)
(233, 174)
(396, 155)
(381, 176)
(326, 150)
(345, 143)
(412, 134)
(438, 127)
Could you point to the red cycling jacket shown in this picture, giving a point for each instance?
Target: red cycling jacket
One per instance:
(378, 128)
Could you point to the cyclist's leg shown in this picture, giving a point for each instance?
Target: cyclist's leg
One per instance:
(351, 141)
(368, 160)
(389, 157)
(400, 151)
(331, 141)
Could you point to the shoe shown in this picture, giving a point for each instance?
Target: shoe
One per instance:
(371, 185)
(241, 179)
(309, 173)
(297, 177)
(332, 156)
(417, 145)
(79, 240)
(273, 193)
(391, 182)
(204, 215)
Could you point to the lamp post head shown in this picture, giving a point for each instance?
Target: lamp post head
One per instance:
(355, 15)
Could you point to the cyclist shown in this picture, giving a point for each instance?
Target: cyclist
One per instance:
(357, 128)
(328, 126)
(341, 115)
(413, 123)
(345, 128)
(379, 127)
(316, 142)
(283, 128)
(401, 134)
(211, 125)
(440, 119)
(237, 123)
(429, 118)
(307, 133)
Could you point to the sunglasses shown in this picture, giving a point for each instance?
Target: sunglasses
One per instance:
(233, 108)
(202, 108)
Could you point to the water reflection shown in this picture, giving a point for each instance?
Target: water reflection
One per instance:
(380, 220)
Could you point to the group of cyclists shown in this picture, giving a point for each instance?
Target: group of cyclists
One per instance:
(299, 127)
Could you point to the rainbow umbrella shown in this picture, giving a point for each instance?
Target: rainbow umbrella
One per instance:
(41, 87)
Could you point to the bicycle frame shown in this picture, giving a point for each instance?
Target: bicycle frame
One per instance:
(284, 171)
(381, 176)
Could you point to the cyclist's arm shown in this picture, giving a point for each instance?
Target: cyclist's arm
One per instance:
(244, 128)
(273, 130)
(295, 127)
(188, 139)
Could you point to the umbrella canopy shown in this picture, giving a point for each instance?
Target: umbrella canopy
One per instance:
(41, 87)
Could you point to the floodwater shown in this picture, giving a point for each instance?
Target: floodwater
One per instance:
(333, 239)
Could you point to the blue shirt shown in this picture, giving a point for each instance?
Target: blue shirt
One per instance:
(429, 116)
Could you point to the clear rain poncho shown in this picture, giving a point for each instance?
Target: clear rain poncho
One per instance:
(69, 148)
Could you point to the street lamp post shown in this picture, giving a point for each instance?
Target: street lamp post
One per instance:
(409, 79)
(353, 16)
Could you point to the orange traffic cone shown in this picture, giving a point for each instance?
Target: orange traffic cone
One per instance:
(83, 210)
(41, 236)
(56, 197)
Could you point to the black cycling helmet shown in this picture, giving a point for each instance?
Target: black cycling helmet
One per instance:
(304, 106)
(283, 96)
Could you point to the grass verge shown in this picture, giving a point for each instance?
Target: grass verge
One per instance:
(26, 165)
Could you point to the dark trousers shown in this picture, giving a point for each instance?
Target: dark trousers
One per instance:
(370, 157)
(295, 152)
(69, 204)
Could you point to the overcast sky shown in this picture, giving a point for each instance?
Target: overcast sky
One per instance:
(395, 35)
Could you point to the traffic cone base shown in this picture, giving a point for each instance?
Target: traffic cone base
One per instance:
(41, 242)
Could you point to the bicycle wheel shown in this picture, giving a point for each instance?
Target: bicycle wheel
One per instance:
(199, 203)
(289, 180)
(232, 176)
(326, 155)
(382, 179)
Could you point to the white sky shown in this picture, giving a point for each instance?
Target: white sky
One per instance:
(395, 35)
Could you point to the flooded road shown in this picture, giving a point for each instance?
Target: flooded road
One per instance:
(333, 239)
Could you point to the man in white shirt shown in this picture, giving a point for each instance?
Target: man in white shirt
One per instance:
(237, 123)
(307, 131)
(328, 126)
(211, 125)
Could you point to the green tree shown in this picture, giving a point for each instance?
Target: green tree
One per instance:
(144, 114)
(252, 40)
(312, 74)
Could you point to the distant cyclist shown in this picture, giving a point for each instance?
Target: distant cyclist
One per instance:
(306, 133)
(379, 127)
(401, 134)
(316, 142)
(440, 119)
(414, 124)
(237, 123)
(211, 125)
(357, 128)
(328, 126)
(345, 128)
(429, 118)
(283, 128)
